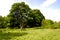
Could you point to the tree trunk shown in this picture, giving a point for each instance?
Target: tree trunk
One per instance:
(21, 25)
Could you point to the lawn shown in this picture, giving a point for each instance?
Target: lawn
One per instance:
(30, 34)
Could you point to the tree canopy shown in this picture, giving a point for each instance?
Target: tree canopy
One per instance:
(22, 15)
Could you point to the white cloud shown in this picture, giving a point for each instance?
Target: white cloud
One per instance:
(53, 14)
(5, 7)
(47, 3)
(50, 13)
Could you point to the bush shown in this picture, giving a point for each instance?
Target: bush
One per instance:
(49, 24)
(46, 23)
(56, 25)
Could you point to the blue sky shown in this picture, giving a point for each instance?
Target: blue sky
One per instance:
(49, 8)
(56, 5)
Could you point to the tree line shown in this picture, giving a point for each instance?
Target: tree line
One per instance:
(22, 16)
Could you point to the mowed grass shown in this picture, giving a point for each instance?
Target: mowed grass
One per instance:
(30, 34)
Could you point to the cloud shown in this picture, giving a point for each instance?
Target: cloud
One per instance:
(53, 14)
(48, 12)
(5, 6)
(47, 3)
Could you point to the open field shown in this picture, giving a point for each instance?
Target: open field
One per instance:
(30, 34)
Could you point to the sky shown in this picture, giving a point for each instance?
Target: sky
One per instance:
(49, 8)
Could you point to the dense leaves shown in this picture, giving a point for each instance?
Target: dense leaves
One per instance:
(22, 16)
(18, 14)
(49, 24)
(3, 22)
(34, 18)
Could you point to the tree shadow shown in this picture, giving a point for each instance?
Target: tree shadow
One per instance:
(9, 35)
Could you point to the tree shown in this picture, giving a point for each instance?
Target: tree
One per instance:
(47, 23)
(6, 22)
(2, 22)
(22, 16)
(18, 14)
(35, 18)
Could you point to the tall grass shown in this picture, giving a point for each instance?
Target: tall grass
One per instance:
(30, 34)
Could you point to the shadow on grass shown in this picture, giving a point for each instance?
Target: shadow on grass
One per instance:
(8, 36)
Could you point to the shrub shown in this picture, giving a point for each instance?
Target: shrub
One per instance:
(46, 23)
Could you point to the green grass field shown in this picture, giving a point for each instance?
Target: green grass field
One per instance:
(30, 34)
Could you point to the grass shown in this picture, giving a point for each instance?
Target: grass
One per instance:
(30, 34)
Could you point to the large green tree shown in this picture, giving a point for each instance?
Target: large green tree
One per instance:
(18, 14)
(22, 15)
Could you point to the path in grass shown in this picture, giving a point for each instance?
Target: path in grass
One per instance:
(30, 34)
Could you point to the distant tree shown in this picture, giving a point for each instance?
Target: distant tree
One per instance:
(59, 23)
(47, 23)
(6, 22)
(2, 22)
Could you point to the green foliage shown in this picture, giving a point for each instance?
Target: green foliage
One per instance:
(7, 23)
(22, 16)
(56, 25)
(18, 14)
(2, 22)
(47, 23)
(35, 18)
